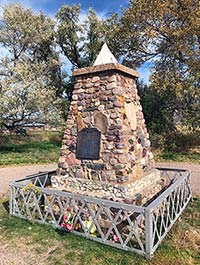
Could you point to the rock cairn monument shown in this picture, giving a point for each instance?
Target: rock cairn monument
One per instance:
(106, 149)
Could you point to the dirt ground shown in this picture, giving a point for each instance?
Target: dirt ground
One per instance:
(194, 169)
(21, 252)
(11, 173)
(19, 255)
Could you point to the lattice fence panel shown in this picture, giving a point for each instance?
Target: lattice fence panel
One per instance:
(129, 227)
(166, 212)
(104, 221)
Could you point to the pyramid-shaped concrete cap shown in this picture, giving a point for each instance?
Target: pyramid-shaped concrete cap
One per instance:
(105, 56)
(105, 61)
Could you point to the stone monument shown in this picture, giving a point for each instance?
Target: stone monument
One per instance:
(106, 148)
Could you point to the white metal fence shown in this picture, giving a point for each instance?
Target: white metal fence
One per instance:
(125, 226)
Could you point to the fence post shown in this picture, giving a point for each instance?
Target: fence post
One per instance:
(148, 233)
(10, 200)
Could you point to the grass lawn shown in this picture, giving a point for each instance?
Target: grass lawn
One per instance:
(190, 156)
(36, 148)
(183, 146)
(21, 240)
(41, 147)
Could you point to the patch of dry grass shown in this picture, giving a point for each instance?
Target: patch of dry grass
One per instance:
(38, 147)
(30, 244)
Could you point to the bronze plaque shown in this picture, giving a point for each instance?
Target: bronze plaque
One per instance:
(88, 144)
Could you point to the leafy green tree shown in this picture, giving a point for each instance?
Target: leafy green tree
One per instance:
(28, 69)
(79, 40)
(159, 109)
(167, 33)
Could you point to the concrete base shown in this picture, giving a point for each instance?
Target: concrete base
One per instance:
(138, 192)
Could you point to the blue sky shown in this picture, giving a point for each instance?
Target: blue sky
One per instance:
(102, 7)
(51, 6)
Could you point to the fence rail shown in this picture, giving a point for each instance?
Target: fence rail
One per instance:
(125, 226)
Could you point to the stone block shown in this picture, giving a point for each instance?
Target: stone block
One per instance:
(112, 177)
(118, 151)
(118, 121)
(95, 79)
(120, 146)
(118, 166)
(71, 160)
(101, 122)
(111, 85)
(130, 111)
(114, 115)
(118, 91)
(112, 78)
(75, 97)
(106, 157)
(79, 173)
(124, 158)
(112, 98)
(77, 85)
(103, 98)
(74, 131)
(108, 92)
(147, 143)
(138, 172)
(109, 105)
(95, 166)
(101, 107)
(118, 104)
(88, 85)
(113, 161)
(80, 123)
(80, 91)
(91, 108)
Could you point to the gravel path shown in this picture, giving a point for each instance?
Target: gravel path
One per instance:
(11, 173)
(195, 173)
